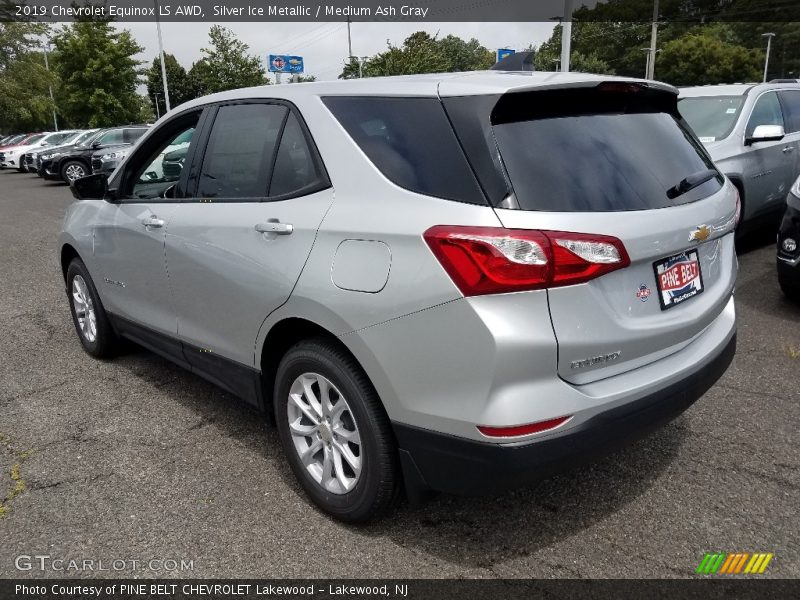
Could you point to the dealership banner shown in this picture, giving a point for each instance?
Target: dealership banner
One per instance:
(247, 589)
(397, 10)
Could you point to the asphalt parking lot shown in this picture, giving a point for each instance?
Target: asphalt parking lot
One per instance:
(135, 459)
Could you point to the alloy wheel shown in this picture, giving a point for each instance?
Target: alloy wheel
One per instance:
(84, 309)
(74, 172)
(324, 433)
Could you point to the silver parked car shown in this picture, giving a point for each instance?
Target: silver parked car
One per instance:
(460, 282)
(753, 134)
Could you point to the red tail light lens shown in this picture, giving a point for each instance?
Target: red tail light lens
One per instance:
(494, 260)
(518, 430)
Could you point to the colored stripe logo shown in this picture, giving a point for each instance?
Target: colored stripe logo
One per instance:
(734, 563)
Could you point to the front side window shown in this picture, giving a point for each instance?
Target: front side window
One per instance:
(131, 135)
(791, 108)
(240, 151)
(162, 162)
(110, 138)
(767, 111)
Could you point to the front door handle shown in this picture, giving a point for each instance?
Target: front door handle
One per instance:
(153, 222)
(788, 149)
(275, 227)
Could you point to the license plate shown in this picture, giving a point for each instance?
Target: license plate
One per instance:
(678, 278)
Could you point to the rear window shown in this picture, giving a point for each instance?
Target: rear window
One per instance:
(411, 142)
(596, 151)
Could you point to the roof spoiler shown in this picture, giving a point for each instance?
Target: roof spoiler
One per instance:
(519, 61)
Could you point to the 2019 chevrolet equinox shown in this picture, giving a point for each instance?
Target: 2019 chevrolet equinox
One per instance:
(453, 282)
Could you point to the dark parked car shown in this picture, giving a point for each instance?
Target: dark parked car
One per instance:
(789, 245)
(106, 160)
(74, 162)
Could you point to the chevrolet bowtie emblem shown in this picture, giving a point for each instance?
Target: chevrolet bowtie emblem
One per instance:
(701, 234)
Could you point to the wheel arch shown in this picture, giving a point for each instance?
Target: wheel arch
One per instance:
(67, 255)
(281, 336)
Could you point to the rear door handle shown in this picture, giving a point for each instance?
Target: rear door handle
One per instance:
(275, 227)
(153, 222)
(788, 149)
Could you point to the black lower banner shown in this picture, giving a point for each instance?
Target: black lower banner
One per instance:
(462, 589)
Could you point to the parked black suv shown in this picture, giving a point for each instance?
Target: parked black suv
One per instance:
(75, 161)
(789, 245)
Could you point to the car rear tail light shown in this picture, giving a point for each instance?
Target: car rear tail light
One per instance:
(519, 430)
(494, 260)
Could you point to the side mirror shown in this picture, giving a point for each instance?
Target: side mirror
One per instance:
(96, 144)
(91, 187)
(766, 133)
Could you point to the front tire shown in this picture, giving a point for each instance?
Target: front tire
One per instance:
(88, 315)
(334, 432)
(72, 170)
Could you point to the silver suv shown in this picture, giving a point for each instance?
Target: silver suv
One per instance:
(456, 282)
(753, 134)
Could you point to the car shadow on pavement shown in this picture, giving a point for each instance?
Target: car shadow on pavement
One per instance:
(482, 532)
(474, 532)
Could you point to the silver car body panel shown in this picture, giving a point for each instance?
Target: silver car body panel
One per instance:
(764, 170)
(439, 361)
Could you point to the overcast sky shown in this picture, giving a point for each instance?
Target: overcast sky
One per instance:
(324, 45)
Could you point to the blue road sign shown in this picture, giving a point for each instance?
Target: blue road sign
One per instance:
(504, 52)
(283, 63)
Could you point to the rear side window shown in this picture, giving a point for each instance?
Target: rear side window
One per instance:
(411, 142)
(596, 151)
(295, 170)
(791, 109)
(240, 151)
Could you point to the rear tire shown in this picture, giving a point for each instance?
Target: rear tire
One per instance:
(91, 322)
(339, 443)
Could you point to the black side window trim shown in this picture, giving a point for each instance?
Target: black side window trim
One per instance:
(199, 156)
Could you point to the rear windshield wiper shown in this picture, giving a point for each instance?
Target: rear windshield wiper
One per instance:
(691, 182)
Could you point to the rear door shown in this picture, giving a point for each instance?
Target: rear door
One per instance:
(236, 249)
(602, 161)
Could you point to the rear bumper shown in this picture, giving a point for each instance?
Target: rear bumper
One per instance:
(434, 461)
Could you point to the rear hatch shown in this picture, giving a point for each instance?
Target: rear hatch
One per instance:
(616, 160)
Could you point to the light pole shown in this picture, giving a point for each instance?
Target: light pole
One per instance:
(566, 36)
(50, 86)
(651, 57)
(769, 37)
(161, 54)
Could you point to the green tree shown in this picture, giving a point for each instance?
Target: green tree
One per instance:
(98, 73)
(702, 58)
(423, 53)
(177, 83)
(24, 97)
(226, 65)
(303, 79)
